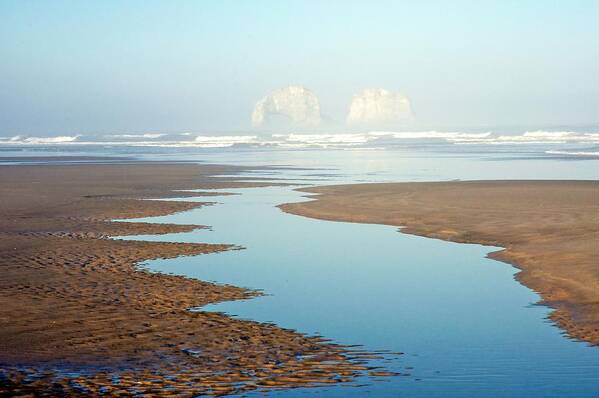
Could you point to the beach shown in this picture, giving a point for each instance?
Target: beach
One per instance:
(548, 229)
(80, 316)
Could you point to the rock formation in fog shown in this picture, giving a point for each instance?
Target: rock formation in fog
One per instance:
(379, 106)
(298, 106)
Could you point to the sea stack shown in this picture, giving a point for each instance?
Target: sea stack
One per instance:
(291, 106)
(377, 106)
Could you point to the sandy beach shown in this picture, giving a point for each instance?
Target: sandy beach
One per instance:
(548, 229)
(78, 316)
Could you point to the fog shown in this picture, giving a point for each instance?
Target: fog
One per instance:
(108, 67)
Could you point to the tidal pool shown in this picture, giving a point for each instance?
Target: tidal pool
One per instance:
(467, 328)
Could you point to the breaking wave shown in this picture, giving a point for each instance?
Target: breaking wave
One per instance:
(135, 136)
(224, 141)
(574, 153)
(17, 139)
(372, 139)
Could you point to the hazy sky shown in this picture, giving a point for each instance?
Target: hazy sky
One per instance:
(111, 66)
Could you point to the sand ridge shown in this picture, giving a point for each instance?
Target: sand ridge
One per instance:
(549, 229)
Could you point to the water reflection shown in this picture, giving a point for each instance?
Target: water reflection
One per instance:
(466, 326)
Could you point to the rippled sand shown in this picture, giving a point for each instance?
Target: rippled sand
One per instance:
(78, 315)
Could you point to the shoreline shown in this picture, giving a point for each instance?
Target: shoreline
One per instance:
(546, 230)
(79, 316)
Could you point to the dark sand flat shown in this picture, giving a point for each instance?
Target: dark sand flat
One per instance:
(79, 317)
(549, 229)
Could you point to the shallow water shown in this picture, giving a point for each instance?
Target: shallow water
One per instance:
(467, 328)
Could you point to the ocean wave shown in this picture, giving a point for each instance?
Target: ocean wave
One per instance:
(24, 140)
(325, 140)
(299, 140)
(534, 137)
(145, 135)
(224, 141)
(573, 153)
(423, 135)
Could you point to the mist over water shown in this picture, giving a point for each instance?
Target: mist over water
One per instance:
(114, 68)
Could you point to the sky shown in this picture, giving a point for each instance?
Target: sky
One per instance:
(70, 67)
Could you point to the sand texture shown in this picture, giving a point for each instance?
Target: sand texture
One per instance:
(78, 317)
(549, 229)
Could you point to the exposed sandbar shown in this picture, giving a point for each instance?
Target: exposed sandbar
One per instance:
(549, 229)
(79, 317)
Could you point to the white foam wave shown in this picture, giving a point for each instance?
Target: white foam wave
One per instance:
(224, 141)
(17, 139)
(573, 153)
(327, 140)
(422, 135)
(298, 140)
(146, 135)
(536, 137)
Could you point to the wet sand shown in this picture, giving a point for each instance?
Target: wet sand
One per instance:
(78, 316)
(548, 229)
